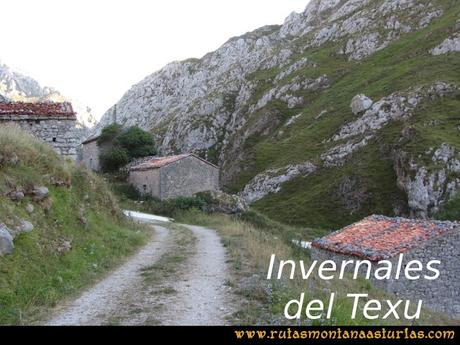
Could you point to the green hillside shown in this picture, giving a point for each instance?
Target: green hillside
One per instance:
(79, 232)
(317, 200)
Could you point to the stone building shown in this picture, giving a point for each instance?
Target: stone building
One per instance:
(91, 151)
(54, 123)
(174, 176)
(378, 238)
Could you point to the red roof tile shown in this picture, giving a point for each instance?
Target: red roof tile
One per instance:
(38, 109)
(158, 162)
(379, 237)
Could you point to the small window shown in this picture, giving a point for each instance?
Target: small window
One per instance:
(37, 122)
(144, 187)
(54, 140)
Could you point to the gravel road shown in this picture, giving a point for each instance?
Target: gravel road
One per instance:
(200, 295)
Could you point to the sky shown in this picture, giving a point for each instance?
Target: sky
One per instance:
(93, 51)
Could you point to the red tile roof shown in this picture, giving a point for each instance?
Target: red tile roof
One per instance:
(378, 237)
(37, 109)
(158, 162)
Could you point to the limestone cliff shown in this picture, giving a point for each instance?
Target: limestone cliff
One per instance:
(310, 120)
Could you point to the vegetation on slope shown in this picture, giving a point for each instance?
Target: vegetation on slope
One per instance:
(79, 231)
(317, 199)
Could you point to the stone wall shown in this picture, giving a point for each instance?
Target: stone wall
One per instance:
(441, 294)
(146, 181)
(186, 177)
(90, 154)
(58, 132)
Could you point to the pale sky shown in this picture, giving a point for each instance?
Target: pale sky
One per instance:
(95, 50)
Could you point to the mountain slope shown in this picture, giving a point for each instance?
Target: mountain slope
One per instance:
(67, 227)
(272, 108)
(15, 86)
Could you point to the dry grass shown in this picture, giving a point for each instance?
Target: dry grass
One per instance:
(249, 249)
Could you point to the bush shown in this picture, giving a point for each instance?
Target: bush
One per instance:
(137, 142)
(126, 145)
(114, 159)
(109, 133)
(451, 210)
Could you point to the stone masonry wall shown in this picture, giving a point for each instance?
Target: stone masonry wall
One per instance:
(441, 294)
(187, 177)
(59, 133)
(146, 181)
(90, 154)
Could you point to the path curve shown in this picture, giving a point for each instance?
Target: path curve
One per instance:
(101, 300)
(203, 297)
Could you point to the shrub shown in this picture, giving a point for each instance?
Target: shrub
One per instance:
(109, 133)
(114, 159)
(126, 145)
(451, 210)
(137, 142)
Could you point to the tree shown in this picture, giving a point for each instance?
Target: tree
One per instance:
(113, 159)
(137, 142)
(125, 145)
(109, 133)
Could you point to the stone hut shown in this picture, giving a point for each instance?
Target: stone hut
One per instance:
(91, 151)
(378, 238)
(54, 123)
(174, 176)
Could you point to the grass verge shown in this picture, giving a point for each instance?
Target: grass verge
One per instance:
(249, 249)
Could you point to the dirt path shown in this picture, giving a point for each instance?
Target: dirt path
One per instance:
(96, 305)
(177, 279)
(202, 296)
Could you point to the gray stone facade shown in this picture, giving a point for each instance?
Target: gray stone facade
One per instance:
(56, 129)
(182, 177)
(90, 153)
(441, 294)
(58, 133)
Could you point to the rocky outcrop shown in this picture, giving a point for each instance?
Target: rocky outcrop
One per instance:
(274, 86)
(397, 106)
(451, 44)
(271, 180)
(202, 105)
(428, 187)
(218, 201)
(360, 103)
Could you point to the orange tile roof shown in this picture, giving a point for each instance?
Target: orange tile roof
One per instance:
(158, 162)
(38, 109)
(379, 237)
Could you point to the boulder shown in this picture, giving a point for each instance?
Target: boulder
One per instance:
(30, 208)
(6, 241)
(218, 201)
(16, 195)
(40, 193)
(360, 103)
(24, 226)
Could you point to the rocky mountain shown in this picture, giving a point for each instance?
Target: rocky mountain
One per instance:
(348, 108)
(15, 86)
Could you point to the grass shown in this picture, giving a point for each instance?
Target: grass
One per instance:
(79, 232)
(249, 249)
(315, 200)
